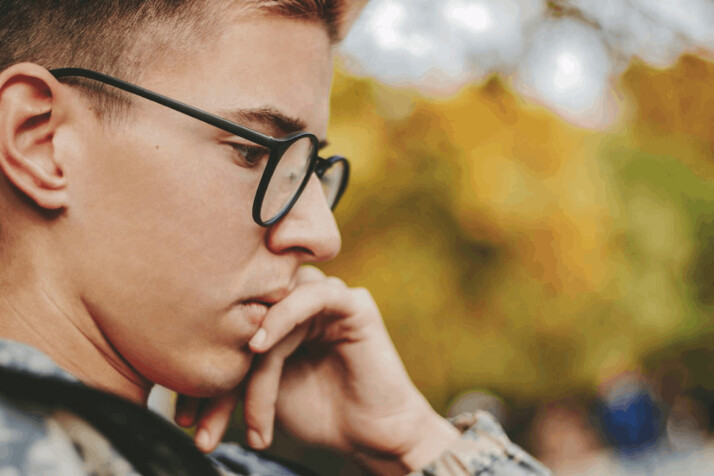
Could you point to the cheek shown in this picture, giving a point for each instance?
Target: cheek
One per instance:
(168, 203)
(161, 233)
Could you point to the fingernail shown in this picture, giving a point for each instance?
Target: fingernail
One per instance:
(258, 338)
(203, 439)
(254, 439)
(183, 419)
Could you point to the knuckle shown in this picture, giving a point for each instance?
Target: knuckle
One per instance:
(336, 282)
(362, 295)
(334, 291)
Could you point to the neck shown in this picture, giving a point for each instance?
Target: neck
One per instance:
(50, 319)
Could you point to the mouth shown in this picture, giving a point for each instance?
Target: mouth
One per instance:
(268, 299)
(251, 302)
(256, 307)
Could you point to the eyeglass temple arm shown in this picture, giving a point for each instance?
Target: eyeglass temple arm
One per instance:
(196, 113)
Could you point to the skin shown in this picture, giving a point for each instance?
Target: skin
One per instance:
(149, 267)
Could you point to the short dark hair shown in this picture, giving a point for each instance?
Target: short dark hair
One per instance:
(120, 37)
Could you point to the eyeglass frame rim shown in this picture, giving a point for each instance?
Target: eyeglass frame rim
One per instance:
(277, 146)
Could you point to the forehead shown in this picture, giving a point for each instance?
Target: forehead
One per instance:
(253, 62)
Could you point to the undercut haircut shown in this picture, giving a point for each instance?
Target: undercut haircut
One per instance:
(122, 37)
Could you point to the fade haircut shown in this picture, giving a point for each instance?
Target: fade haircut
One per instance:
(122, 37)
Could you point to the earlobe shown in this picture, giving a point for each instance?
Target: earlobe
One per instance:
(29, 117)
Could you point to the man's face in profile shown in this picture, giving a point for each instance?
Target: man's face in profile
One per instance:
(162, 242)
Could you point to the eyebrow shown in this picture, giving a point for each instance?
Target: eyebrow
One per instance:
(270, 117)
(267, 116)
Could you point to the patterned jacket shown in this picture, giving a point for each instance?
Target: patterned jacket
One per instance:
(53, 425)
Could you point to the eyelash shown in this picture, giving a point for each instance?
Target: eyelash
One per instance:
(243, 152)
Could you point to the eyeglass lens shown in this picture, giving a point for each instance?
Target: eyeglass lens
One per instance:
(331, 181)
(287, 177)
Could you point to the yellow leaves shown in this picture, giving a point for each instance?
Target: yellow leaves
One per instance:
(678, 101)
(361, 145)
(504, 186)
(660, 229)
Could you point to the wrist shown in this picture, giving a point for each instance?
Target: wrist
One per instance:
(435, 435)
(438, 436)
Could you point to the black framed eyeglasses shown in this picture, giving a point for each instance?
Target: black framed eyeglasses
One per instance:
(290, 164)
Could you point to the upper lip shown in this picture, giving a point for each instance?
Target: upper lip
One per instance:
(270, 297)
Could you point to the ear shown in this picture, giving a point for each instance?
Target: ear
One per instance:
(29, 116)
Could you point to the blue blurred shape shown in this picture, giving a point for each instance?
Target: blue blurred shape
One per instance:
(631, 419)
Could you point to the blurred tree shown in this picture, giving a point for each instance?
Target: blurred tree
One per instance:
(512, 251)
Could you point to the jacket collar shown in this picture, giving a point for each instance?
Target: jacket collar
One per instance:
(25, 358)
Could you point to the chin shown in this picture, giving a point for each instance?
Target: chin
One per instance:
(208, 380)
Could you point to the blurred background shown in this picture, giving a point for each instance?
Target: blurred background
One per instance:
(532, 207)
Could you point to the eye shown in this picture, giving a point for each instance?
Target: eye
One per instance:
(250, 155)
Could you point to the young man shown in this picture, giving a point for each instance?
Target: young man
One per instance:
(160, 198)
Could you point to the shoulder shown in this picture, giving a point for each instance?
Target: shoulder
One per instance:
(32, 442)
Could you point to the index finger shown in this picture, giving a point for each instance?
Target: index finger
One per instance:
(309, 274)
(304, 303)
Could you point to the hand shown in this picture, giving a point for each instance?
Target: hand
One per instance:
(210, 415)
(328, 371)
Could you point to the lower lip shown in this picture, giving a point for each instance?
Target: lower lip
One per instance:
(254, 311)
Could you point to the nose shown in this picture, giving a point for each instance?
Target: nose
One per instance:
(309, 229)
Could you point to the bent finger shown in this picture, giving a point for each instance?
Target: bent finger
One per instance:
(214, 420)
(330, 296)
(186, 410)
(261, 394)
